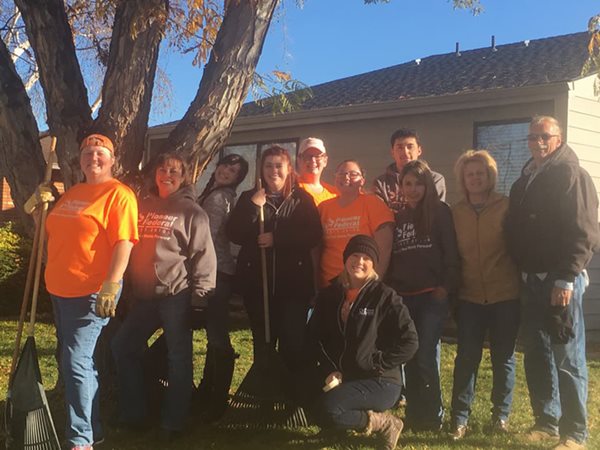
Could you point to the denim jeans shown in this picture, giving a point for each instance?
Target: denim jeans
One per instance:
(148, 315)
(217, 320)
(345, 407)
(556, 373)
(501, 320)
(77, 329)
(424, 408)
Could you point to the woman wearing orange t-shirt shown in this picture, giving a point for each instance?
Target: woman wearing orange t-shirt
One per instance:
(91, 231)
(352, 212)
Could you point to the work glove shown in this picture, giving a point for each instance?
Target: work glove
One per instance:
(42, 194)
(106, 303)
(559, 324)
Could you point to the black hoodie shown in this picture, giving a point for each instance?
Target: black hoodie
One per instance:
(552, 224)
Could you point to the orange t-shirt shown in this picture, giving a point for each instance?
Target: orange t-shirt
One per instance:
(363, 216)
(83, 227)
(328, 192)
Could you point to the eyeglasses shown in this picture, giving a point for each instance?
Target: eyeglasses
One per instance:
(317, 158)
(352, 174)
(544, 137)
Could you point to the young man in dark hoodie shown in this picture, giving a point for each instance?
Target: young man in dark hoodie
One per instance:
(405, 147)
(552, 233)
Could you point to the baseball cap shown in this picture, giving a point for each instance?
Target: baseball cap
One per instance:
(312, 142)
(97, 140)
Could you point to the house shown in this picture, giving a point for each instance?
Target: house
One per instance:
(482, 98)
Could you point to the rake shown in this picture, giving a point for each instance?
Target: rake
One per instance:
(28, 420)
(262, 400)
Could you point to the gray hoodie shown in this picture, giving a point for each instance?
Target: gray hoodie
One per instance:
(175, 250)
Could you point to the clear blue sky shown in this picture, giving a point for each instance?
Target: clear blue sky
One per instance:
(331, 39)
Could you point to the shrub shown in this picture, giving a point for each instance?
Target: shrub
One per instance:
(15, 251)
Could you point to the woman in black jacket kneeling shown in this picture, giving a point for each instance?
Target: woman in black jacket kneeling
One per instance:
(361, 333)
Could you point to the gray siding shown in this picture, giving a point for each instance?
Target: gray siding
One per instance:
(583, 135)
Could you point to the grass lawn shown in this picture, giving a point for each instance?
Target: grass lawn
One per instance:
(213, 437)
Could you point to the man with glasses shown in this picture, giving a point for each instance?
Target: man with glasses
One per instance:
(312, 160)
(405, 147)
(552, 232)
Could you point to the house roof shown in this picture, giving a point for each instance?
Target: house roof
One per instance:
(537, 62)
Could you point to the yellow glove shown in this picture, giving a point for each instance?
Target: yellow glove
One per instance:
(42, 194)
(106, 303)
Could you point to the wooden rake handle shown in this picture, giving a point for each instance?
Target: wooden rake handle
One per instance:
(35, 251)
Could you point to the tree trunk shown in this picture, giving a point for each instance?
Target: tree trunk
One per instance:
(20, 150)
(60, 76)
(127, 90)
(226, 80)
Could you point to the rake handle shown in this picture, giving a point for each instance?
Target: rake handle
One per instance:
(265, 280)
(36, 254)
(40, 249)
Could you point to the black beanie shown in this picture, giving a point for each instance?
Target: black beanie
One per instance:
(362, 243)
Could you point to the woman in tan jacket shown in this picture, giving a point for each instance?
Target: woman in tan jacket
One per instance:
(488, 294)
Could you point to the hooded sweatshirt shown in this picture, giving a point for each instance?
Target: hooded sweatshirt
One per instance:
(175, 250)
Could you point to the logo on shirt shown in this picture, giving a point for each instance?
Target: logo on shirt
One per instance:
(156, 225)
(342, 226)
(366, 312)
(70, 208)
(405, 238)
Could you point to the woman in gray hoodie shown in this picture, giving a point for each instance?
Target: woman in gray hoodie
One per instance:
(173, 262)
(218, 199)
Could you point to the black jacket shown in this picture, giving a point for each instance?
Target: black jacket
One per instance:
(296, 230)
(378, 337)
(552, 225)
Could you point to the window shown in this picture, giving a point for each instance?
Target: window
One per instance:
(507, 143)
(251, 152)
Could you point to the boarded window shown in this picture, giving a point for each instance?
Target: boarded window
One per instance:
(507, 143)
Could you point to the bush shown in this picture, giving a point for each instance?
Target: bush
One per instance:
(15, 251)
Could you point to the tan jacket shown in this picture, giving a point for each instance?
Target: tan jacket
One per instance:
(488, 273)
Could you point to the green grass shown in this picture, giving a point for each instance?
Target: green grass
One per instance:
(213, 437)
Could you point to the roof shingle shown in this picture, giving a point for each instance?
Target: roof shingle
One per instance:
(542, 61)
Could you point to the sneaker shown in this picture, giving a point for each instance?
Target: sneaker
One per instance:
(457, 432)
(540, 435)
(499, 426)
(569, 444)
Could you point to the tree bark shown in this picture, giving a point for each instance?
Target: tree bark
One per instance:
(225, 81)
(127, 90)
(60, 76)
(20, 149)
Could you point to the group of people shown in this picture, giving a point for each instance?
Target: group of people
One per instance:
(359, 282)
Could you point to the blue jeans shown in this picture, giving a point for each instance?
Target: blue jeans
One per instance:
(148, 315)
(502, 321)
(556, 373)
(424, 408)
(77, 330)
(217, 320)
(345, 407)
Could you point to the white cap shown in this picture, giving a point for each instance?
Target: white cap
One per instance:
(312, 142)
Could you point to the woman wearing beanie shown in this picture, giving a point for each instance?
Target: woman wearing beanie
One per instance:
(425, 271)
(360, 334)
